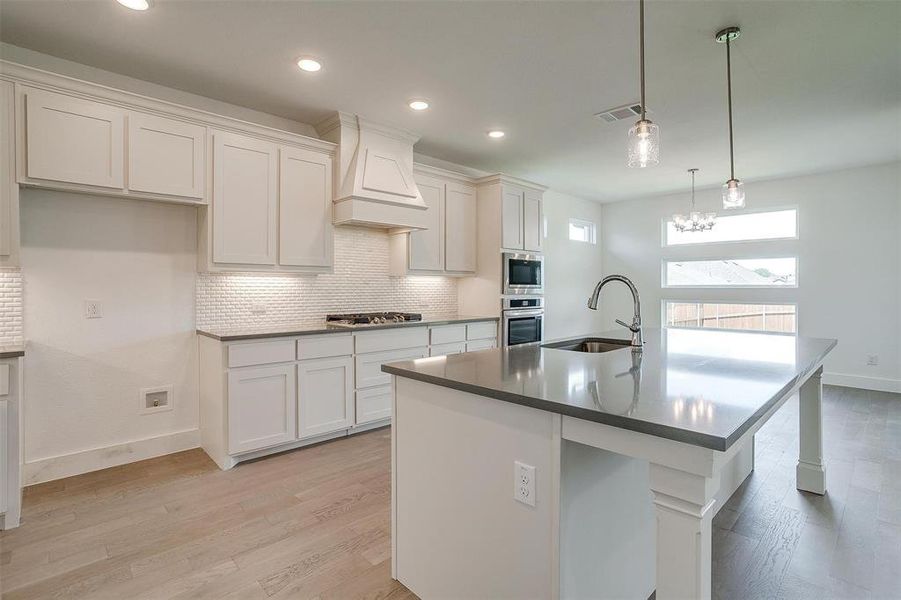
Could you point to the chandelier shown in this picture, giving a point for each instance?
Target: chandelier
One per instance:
(695, 221)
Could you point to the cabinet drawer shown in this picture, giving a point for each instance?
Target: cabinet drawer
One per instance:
(391, 339)
(480, 345)
(443, 349)
(369, 366)
(322, 346)
(448, 333)
(374, 404)
(480, 331)
(260, 353)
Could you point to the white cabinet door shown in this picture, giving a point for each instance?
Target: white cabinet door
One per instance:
(8, 186)
(4, 455)
(532, 221)
(511, 217)
(374, 404)
(305, 208)
(480, 345)
(74, 140)
(244, 200)
(427, 245)
(325, 395)
(165, 156)
(460, 227)
(262, 407)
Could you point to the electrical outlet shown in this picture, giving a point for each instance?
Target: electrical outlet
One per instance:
(873, 360)
(524, 483)
(258, 308)
(93, 309)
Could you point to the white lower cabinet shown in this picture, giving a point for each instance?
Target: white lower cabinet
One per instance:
(325, 395)
(3, 457)
(262, 407)
(374, 404)
(267, 395)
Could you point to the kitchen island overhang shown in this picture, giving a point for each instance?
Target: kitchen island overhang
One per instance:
(657, 440)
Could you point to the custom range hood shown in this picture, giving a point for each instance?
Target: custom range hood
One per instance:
(375, 186)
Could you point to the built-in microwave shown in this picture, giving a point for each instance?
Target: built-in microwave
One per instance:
(523, 273)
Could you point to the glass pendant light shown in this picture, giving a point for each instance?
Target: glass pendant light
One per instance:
(695, 221)
(644, 136)
(733, 190)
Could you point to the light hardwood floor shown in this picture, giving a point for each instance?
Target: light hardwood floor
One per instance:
(315, 522)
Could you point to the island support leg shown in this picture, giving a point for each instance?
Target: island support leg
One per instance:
(811, 470)
(683, 505)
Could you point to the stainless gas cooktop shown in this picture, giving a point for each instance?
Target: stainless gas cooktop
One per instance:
(372, 318)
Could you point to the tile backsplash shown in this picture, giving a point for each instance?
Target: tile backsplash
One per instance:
(360, 283)
(10, 307)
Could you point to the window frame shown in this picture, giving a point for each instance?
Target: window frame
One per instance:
(577, 222)
(721, 286)
(665, 325)
(666, 220)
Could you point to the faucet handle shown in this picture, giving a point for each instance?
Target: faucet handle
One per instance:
(627, 326)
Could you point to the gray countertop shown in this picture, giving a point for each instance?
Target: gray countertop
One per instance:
(12, 351)
(702, 387)
(251, 332)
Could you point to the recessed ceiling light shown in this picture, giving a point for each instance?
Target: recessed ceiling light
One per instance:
(135, 4)
(418, 104)
(308, 64)
(496, 134)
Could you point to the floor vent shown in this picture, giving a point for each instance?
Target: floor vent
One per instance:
(627, 111)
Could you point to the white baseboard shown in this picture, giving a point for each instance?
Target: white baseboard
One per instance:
(877, 384)
(67, 465)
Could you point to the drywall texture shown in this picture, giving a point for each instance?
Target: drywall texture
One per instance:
(360, 282)
(572, 268)
(849, 263)
(10, 307)
(84, 375)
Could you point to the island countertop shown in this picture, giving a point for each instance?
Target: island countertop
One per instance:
(701, 387)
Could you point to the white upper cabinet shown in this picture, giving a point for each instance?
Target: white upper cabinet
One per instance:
(448, 245)
(245, 194)
(521, 218)
(532, 221)
(73, 140)
(427, 245)
(306, 237)
(8, 188)
(165, 156)
(460, 227)
(512, 218)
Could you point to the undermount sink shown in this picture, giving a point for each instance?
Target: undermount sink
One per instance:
(590, 344)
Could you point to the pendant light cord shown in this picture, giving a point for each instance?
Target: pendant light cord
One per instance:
(692, 190)
(729, 91)
(641, 53)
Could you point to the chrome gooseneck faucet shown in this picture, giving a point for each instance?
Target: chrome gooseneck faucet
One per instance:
(635, 327)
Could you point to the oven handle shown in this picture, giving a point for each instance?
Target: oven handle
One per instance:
(510, 313)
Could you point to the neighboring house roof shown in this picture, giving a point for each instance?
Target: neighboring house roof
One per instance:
(720, 272)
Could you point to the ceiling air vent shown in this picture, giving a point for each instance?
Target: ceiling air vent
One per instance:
(627, 111)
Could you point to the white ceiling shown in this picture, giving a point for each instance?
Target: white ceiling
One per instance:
(817, 84)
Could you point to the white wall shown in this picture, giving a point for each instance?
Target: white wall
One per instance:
(139, 260)
(572, 268)
(849, 263)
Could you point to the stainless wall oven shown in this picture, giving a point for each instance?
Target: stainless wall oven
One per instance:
(523, 273)
(523, 320)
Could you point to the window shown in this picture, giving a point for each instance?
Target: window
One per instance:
(771, 225)
(739, 272)
(583, 231)
(773, 318)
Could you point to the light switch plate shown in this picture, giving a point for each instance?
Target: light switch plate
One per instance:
(93, 309)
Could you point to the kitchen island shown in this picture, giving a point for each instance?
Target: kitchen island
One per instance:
(619, 460)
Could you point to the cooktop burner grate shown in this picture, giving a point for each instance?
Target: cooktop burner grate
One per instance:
(373, 318)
